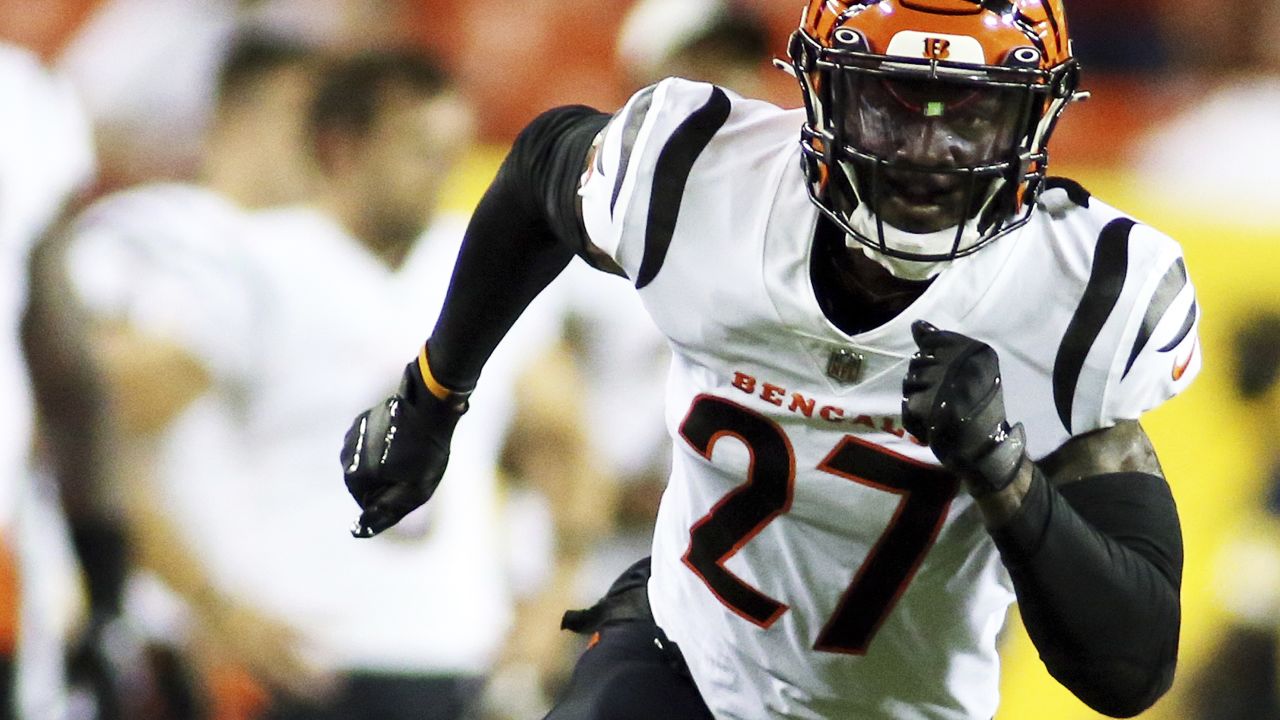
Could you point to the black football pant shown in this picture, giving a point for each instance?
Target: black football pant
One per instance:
(626, 676)
(631, 671)
(376, 696)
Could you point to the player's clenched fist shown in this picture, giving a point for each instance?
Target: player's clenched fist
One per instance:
(952, 401)
(395, 453)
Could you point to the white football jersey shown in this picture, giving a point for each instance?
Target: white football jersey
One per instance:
(46, 156)
(811, 559)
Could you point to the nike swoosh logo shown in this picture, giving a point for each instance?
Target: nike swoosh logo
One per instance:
(1179, 368)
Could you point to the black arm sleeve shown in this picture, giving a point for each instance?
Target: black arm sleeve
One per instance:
(1097, 567)
(524, 232)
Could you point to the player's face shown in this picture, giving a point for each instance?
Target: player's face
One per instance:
(928, 124)
(411, 151)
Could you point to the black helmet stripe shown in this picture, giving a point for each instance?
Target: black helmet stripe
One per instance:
(1000, 7)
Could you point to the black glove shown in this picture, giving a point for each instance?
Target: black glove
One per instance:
(952, 401)
(395, 452)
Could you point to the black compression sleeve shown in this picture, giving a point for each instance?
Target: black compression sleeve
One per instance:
(1097, 566)
(523, 233)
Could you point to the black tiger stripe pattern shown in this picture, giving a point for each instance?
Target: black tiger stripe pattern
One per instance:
(1106, 281)
(1175, 278)
(1187, 323)
(630, 132)
(670, 175)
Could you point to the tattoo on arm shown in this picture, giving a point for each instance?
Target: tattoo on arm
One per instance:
(1124, 447)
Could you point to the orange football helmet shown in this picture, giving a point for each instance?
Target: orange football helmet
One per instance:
(981, 83)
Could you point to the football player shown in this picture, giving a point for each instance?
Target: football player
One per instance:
(907, 374)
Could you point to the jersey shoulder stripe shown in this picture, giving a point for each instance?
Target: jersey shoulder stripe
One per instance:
(670, 175)
(643, 160)
(1171, 284)
(1160, 325)
(1106, 282)
(630, 132)
(1128, 340)
(1188, 323)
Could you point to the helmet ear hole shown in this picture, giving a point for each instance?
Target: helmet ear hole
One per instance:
(846, 38)
(1024, 57)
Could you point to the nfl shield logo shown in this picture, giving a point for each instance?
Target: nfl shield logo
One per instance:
(844, 366)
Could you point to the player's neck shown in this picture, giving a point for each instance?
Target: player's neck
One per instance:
(855, 292)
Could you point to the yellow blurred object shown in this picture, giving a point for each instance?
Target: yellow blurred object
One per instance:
(472, 176)
(1210, 453)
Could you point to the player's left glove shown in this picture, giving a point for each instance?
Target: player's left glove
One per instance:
(395, 453)
(952, 401)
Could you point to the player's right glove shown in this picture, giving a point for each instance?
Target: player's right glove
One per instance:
(395, 452)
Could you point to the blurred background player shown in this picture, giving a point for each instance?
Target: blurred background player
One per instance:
(251, 153)
(706, 40)
(386, 129)
(49, 381)
(161, 269)
(231, 300)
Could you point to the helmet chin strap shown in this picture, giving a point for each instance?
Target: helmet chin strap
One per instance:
(939, 242)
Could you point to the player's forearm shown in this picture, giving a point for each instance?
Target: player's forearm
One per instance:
(1097, 568)
(515, 245)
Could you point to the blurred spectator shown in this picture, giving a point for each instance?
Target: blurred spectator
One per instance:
(436, 602)
(48, 381)
(708, 40)
(1111, 37)
(148, 69)
(1222, 153)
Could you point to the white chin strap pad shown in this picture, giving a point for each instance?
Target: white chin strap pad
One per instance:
(939, 242)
